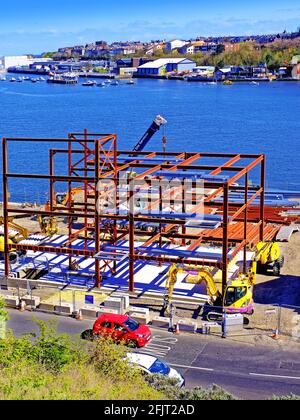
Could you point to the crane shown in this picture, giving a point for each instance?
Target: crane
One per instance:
(238, 297)
(158, 122)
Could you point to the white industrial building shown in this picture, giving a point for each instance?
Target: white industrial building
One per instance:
(166, 65)
(14, 61)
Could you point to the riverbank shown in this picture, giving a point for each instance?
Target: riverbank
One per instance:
(111, 76)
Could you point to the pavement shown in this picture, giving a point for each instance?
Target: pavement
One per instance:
(247, 371)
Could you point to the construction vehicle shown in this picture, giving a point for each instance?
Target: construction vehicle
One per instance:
(16, 234)
(268, 257)
(62, 199)
(48, 225)
(238, 297)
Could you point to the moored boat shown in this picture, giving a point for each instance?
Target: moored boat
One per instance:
(64, 79)
(90, 83)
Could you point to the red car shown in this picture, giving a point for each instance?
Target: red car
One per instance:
(121, 328)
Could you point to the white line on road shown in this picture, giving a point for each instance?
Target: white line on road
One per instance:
(192, 367)
(158, 347)
(275, 376)
(155, 353)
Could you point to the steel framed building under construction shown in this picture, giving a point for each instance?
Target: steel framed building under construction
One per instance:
(94, 159)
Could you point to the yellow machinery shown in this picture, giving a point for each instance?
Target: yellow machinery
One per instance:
(268, 257)
(62, 199)
(48, 225)
(238, 296)
(17, 233)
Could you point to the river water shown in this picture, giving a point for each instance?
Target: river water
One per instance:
(243, 118)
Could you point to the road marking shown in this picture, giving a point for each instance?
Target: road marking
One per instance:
(158, 346)
(275, 376)
(192, 367)
(167, 340)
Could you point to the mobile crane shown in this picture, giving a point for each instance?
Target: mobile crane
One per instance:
(157, 123)
(238, 297)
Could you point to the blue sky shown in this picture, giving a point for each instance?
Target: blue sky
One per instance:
(35, 26)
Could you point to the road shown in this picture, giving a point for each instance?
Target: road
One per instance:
(247, 371)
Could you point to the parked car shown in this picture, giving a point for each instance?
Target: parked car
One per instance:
(121, 328)
(153, 366)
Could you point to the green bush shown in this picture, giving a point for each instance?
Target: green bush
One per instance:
(3, 312)
(173, 392)
(52, 366)
(290, 397)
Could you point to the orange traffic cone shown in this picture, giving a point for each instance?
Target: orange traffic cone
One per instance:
(177, 331)
(275, 336)
(79, 315)
(22, 306)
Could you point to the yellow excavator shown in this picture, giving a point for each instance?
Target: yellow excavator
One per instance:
(268, 258)
(238, 297)
(48, 225)
(62, 199)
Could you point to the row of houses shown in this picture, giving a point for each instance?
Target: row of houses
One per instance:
(204, 45)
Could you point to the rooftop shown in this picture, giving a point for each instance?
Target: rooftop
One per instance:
(162, 62)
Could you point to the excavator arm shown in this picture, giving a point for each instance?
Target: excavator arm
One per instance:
(201, 275)
(22, 233)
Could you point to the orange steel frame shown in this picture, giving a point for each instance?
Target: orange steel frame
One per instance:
(93, 157)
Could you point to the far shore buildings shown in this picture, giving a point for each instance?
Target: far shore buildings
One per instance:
(166, 65)
(175, 45)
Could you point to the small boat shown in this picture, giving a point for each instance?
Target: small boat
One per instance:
(90, 83)
(227, 83)
(254, 83)
(107, 82)
(41, 79)
(64, 79)
(101, 85)
(3, 79)
(115, 83)
(13, 80)
(20, 80)
(131, 82)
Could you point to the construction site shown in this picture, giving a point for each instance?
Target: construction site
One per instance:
(175, 227)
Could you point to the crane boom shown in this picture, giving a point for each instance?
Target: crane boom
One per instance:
(154, 127)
